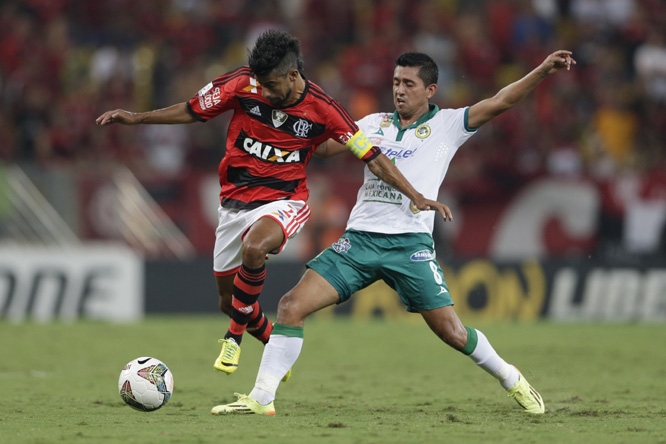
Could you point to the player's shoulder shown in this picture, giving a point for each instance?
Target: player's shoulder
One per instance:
(372, 123)
(450, 111)
(317, 93)
(240, 79)
(452, 119)
(325, 106)
(377, 119)
(448, 114)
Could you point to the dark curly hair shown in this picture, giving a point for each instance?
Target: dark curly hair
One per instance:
(275, 51)
(428, 70)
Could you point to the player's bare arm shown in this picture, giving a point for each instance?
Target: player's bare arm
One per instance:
(173, 114)
(513, 93)
(330, 148)
(382, 167)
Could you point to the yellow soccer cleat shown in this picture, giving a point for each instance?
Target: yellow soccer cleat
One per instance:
(244, 406)
(528, 398)
(286, 377)
(227, 362)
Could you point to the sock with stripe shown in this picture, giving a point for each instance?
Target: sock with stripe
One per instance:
(279, 356)
(248, 284)
(478, 348)
(259, 326)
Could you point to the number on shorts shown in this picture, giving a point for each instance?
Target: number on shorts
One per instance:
(435, 273)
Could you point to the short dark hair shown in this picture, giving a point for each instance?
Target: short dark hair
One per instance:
(275, 51)
(428, 70)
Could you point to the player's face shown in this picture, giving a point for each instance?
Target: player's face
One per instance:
(278, 89)
(410, 94)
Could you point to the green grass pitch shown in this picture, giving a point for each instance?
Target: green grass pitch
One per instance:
(356, 382)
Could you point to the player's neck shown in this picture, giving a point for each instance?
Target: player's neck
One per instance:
(406, 120)
(297, 92)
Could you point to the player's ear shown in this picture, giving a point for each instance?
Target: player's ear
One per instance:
(431, 90)
(292, 75)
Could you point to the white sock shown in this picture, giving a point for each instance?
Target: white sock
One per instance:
(279, 356)
(485, 356)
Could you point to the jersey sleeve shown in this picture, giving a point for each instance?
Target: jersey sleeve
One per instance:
(367, 121)
(347, 132)
(216, 97)
(455, 124)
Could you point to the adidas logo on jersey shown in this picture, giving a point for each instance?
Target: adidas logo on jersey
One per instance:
(256, 111)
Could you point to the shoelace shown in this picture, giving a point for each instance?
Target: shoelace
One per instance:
(229, 350)
(242, 400)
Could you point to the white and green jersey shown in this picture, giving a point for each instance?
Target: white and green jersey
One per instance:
(422, 152)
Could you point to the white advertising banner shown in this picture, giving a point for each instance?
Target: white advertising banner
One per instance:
(96, 282)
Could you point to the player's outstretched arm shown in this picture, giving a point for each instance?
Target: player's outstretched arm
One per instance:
(330, 148)
(173, 114)
(513, 93)
(382, 167)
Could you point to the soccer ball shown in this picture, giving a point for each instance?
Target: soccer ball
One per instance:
(145, 384)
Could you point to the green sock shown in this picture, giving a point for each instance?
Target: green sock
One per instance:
(472, 340)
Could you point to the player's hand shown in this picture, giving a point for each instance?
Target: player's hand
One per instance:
(432, 205)
(558, 60)
(116, 116)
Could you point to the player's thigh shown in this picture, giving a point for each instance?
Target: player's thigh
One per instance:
(349, 265)
(233, 226)
(312, 293)
(414, 273)
(265, 235)
(290, 217)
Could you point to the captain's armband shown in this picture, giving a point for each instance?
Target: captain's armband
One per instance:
(360, 145)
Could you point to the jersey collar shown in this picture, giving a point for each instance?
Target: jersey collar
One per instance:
(433, 109)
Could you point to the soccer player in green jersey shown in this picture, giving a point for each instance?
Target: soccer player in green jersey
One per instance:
(386, 238)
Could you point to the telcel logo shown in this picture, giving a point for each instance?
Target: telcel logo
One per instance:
(398, 154)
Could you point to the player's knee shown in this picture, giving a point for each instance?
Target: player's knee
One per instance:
(253, 253)
(291, 311)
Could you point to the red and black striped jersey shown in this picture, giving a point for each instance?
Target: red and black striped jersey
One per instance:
(268, 148)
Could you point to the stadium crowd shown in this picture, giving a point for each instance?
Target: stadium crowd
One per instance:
(62, 62)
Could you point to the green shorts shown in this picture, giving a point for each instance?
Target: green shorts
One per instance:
(406, 262)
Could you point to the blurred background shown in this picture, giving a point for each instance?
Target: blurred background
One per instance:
(559, 204)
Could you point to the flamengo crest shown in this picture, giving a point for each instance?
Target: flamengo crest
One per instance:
(302, 128)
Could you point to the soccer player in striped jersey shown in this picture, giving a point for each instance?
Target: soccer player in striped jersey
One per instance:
(279, 118)
(388, 239)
